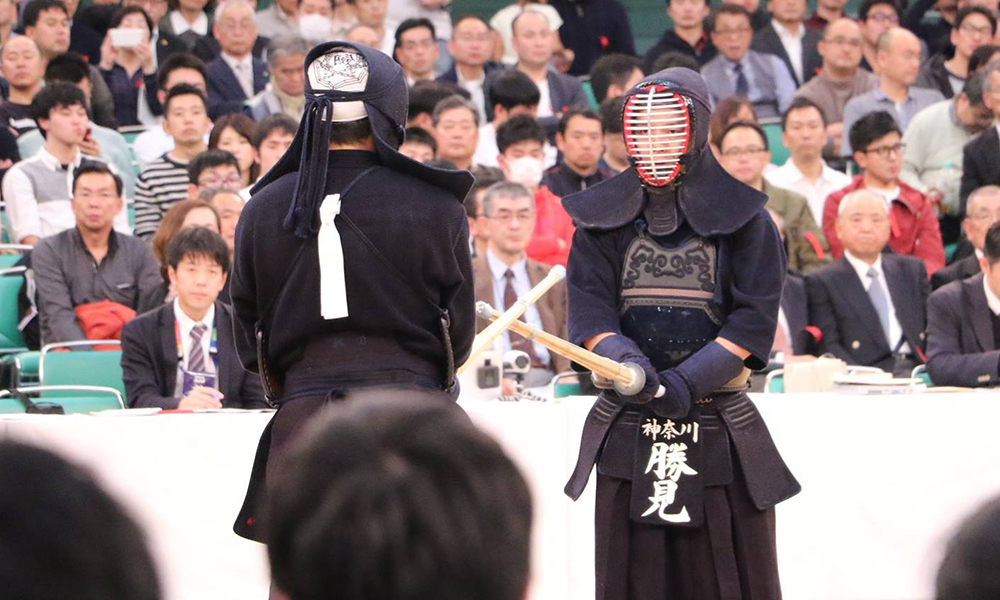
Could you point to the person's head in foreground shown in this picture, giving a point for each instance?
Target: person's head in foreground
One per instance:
(970, 570)
(396, 495)
(62, 536)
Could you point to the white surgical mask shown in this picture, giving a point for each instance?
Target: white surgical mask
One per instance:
(526, 170)
(315, 28)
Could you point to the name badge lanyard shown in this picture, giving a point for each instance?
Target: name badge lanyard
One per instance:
(213, 344)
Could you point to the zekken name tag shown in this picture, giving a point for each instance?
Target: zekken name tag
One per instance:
(666, 481)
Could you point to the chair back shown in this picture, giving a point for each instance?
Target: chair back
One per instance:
(81, 367)
(11, 280)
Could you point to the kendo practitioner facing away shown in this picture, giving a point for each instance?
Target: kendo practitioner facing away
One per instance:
(676, 266)
(352, 264)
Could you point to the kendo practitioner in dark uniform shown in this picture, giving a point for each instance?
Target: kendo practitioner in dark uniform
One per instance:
(675, 266)
(352, 264)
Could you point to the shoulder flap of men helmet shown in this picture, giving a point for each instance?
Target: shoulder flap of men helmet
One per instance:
(714, 202)
(609, 204)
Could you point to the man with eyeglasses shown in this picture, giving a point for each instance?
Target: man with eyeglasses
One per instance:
(744, 154)
(898, 64)
(983, 211)
(841, 77)
(504, 273)
(870, 305)
(974, 27)
(213, 169)
(935, 32)
(875, 17)
(963, 324)
(932, 161)
(739, 71)
(878, 150)
(236, 75)
(471, 45)
(416, 50)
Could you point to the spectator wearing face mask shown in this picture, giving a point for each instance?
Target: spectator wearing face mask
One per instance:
(321, 20)
(521, 143)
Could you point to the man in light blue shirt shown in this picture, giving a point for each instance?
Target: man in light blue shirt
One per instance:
(739, 71)
(897, 61)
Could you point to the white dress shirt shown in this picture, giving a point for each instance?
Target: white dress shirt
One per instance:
(793, 45)
(895, 333)
(185, 325)
(522, 285)
(243, 69)
(544, 99)
(180, 24)
(789, 177)
(475, 89)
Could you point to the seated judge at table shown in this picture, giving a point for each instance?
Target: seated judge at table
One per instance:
(982, 209)
(181, 355)
(963, 324)
(869, 305)
(792, 337)
(504, 273)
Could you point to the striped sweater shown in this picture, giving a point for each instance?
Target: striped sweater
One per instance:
(161, 184)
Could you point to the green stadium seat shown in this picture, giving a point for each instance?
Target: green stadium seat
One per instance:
(11, 280)
(775, 382)
(588, 91)
(101, 368)
(73, 399)
(566, 384)
(779, 153)
(4, 228)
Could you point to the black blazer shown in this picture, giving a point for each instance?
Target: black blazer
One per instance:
(86, 42)
(960, 346)
(795, 305)
(956, 271)
(225, 94)
(840, 308)
(149, 362)
(767, 40)
(207, 48)
(980, 158)
(168, 44)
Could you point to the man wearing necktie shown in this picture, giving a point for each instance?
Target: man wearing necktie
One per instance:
(235, 75)
(870, 305)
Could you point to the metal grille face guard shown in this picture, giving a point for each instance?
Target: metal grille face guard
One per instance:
(657, 127)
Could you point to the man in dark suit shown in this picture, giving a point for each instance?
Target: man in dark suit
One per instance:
(963, 324)
(792, 338)
(504, 272)
(181, 355)
(235, 76)
(787, 37)
(981, 156)
(982, 210)
(870, 306)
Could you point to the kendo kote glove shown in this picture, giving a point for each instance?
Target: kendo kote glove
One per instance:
(622, 349)
(699, 375)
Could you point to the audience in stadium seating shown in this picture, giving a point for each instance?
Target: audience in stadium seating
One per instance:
(983, 211)
(615, 156)
(129, 70)
(186, 213)
(234, 134)
(580, 140)
(470, 47)
(533, 42)
(228, 205)
(178, 68)
(875, 17)
(22, 67)
(981, 156)
(614, 74)
(897, 59)
(373, 14)
(688, 35)
(54, 508)
(932, 154)
(740, 71)
(974, 26)
(456, 128)
(870, 305)
(827, 11)
(439, 460)
(419, 145)
(286, 93)
(510, 93)
(424, 96)
(213, 168)
(236, 75)
(283, 18)
(744, 153)
(101, 142)
(90, 278)
(479, 233)
(181, 355)
(162, 44)
(788, 38)
(878, 150)
(728, 111)
(840, 79)
(47, 23)
(272, 137)
(803, 132)
(38, 190)
(165, 181)
(591, 30)
(416, 50)
(188, 20)
(791, 337)
(505, 272)
(521, 143)
(963, 324)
